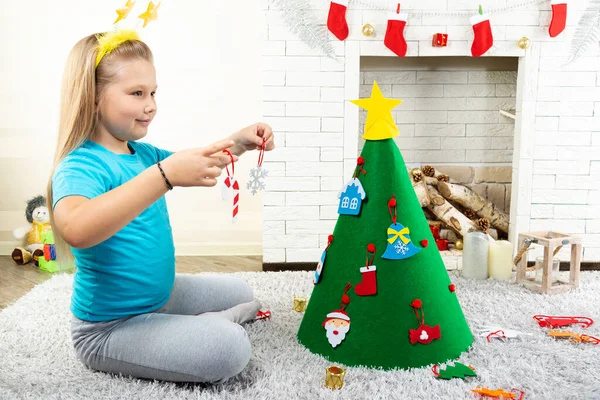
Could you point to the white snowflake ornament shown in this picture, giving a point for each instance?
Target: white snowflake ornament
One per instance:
(256, 181)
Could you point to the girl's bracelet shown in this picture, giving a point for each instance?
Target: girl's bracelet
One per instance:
(164, 176)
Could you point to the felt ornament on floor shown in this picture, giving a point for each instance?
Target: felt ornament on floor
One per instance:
(336, 19)
(482, 30)
(484, 392)
(231, 183)
(368, 286)
(337, 322)
(424, 334)
(399, 245)
(457, 370)
(352, 196)
(559, 17)
(547, 321)
(394, 35)
(497, 332)
(321, 264)
(258, 174)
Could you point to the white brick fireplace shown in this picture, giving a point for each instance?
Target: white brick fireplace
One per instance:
(554, 150)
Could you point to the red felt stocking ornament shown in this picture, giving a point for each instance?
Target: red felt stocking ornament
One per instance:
(394, 35)
(482, 30)
(336, 20)
(368, 286)
(559, 17)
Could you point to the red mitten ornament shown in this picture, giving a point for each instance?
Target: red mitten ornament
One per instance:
(424, 334)
(559, 17)
(394, 35)
(482, 30)
(368, 286)
(336, 20)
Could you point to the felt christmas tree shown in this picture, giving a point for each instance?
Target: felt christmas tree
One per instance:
(383, 298)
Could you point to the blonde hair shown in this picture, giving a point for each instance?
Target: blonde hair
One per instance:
(83, 87)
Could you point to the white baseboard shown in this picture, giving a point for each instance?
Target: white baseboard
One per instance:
(190, 249)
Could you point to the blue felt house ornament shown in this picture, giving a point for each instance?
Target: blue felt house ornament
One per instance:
(351, 198)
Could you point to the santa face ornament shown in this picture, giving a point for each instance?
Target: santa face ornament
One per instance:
(337, 325)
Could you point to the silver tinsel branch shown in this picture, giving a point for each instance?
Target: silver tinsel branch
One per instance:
(587, 33)
(300, 19)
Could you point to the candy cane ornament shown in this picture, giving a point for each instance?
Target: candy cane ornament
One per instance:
(231, 182)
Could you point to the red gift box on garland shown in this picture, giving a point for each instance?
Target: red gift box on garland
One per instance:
(440, 40)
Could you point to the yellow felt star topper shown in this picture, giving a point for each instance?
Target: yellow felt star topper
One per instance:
(124, 12)
(150, 14)
(380, 123)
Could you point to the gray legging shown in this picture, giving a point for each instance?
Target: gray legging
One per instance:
(176, 342)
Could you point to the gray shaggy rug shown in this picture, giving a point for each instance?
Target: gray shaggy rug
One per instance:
(37, 359)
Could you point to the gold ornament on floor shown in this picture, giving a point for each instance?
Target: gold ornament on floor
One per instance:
(524, 43)
(417, 174)
(299, 304)
(429, 171)
(334, 378)
(484, 224)
(459, 244)
(443, 178)
(368, 30)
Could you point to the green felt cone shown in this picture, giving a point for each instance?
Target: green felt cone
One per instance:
(380, 323)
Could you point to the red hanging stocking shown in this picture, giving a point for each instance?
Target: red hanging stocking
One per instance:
(336, 20)
(368, 286)
(559, 17)
(482, 30)
(394, 35)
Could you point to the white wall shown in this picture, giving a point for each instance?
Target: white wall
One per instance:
(208, 60)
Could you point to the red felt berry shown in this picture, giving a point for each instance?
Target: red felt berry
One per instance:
(424, 243)
(346, 299)
(371, 248)
(330, 238)
(392, 202)
(416, 303)
(452, 287)
(360, 161)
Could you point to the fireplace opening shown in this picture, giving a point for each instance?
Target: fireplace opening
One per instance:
(456, 123)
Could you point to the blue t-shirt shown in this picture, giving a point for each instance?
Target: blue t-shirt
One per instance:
(133, 271)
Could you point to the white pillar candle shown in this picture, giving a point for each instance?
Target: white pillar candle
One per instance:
(475, 256)
(500, 260)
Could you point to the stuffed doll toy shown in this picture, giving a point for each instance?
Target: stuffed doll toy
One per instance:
(32, 247)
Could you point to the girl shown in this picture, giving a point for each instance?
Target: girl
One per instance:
(131, 313)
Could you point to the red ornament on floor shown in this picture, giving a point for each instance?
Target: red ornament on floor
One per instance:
(435, 231)
(439, 40)
(442, 244)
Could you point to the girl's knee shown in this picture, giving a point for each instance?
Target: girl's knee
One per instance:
(237, 354)
(244, 290)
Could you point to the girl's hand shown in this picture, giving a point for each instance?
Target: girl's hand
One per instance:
(198, 166)
(251, 138)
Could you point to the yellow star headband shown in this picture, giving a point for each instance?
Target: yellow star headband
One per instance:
(111, 40)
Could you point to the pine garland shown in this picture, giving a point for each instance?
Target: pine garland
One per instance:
(300, 19)
(588, 31)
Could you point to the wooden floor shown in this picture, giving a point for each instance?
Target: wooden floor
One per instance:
(16, 280)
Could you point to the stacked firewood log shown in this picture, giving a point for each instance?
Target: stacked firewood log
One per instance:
(457, 208)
